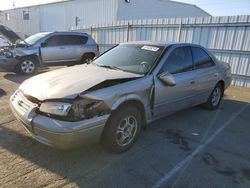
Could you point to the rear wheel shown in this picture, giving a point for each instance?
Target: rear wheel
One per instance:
(122, 129)
(27, 66)
(87, 58)
(214, 100)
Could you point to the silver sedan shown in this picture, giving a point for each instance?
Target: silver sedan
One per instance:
(113, 97)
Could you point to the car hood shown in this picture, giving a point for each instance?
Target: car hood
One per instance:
(69, 82)
(9, 34)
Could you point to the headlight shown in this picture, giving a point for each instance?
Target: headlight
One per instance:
(8, 54)
(83, 109)
(56, 108)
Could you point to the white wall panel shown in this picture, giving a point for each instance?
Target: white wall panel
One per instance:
(61, 16)
(21, 26)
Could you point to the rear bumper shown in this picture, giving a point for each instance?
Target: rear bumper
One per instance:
(56, 133)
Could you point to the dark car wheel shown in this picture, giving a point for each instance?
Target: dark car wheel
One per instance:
(214, 99)
(86, 58)
(122, 129)
(27, 66)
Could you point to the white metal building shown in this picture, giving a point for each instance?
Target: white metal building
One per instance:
(62, 15)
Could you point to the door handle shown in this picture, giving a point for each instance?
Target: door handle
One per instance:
(192, 82)
(216, 74)
(62, 48)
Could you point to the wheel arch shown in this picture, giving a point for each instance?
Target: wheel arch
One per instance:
(35, 56)
(129, 101)
(222, 83)
(88, 53)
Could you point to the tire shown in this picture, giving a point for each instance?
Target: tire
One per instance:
(27, 66)
(119, 135)
(214, 99)
(86, 58)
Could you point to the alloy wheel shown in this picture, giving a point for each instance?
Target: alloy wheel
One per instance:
(126, 131)
(28, 66)
(216, 96)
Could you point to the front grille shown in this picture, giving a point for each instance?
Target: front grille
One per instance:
(32, 99)
(22, 104)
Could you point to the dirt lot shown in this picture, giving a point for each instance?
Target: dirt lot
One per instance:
(192, 148)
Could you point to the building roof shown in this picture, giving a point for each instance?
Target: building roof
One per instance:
(63, 1)
(42, 4)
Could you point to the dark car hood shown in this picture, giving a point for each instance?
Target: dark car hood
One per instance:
(69, 82)
(9, 34)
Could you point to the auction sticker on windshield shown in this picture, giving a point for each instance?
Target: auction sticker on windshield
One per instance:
(150, 48)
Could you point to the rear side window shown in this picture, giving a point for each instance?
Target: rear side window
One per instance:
(201, 58)
(61, 40)
(180, 60)
(75, 40)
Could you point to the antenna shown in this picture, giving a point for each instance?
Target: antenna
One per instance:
(13, 3)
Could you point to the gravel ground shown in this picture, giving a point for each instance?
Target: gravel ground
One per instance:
(161, 157)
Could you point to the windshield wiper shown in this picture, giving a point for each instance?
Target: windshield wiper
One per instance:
(109, 67)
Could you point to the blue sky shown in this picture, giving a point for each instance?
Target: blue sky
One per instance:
(214, 7)
(222, 7)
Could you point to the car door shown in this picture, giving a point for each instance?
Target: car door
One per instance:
(172, 98)
(77, 46)
(52, 49)
(74, 47)
(207, 74)
(59, 49)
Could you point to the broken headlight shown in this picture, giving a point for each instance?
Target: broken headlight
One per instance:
(84, 109)
(55, 108)
(8, 54)
(76, 111)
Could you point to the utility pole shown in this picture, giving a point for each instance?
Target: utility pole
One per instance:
(77, 21)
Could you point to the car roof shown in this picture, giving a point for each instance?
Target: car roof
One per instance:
(160, 43)
(69, 32)
(46, 33)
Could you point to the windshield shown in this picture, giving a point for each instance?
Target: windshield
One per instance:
(35, 38)
(131, 57)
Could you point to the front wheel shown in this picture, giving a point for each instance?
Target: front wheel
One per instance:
(122, 129)
(214, 99)
(27, 66)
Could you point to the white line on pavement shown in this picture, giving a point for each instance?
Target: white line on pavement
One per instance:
(185, 161)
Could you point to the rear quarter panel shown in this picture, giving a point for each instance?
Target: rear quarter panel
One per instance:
(225, 71)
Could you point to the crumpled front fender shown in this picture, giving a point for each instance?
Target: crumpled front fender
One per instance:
(135, 90)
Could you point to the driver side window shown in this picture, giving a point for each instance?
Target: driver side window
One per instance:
(180, 60)
(55, 41)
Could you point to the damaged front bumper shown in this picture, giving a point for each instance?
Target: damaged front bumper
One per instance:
(56, 133)
(8, 64)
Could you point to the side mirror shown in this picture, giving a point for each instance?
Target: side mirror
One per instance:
(44, 44)
(167, 79)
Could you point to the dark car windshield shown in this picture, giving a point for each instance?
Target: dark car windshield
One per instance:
(131, 57)
(35, 38)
